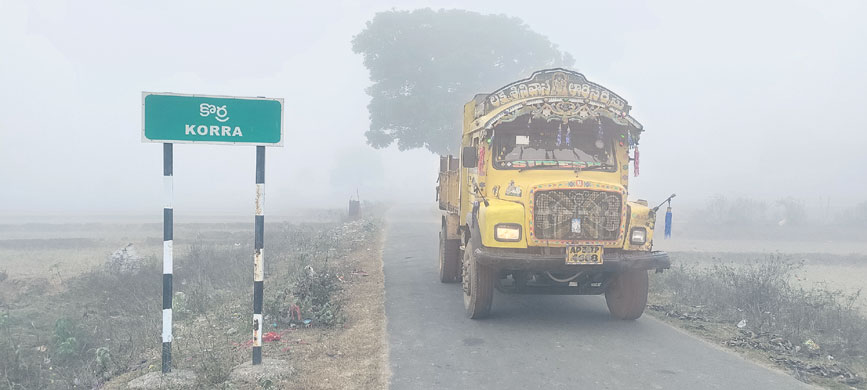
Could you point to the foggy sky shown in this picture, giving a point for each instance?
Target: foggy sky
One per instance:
(737, 98)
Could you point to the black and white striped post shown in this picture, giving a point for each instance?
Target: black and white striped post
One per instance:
(167, 257)
(258, 257)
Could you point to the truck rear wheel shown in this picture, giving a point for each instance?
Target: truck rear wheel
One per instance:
(450, 261)
(478, 285)
(626, 296)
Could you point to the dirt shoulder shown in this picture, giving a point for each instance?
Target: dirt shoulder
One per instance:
(354, 356)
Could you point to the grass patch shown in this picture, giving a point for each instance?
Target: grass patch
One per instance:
(815, 332)
(103, 324)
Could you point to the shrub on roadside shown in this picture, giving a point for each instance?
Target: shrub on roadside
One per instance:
(66, 345)
(106, 323)
(760, 292)
(310, 288)
(317, 295)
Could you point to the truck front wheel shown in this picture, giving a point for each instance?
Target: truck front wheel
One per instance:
(478, 285)
(626, 296)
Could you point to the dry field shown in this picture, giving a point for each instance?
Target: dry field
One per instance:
(850, 278)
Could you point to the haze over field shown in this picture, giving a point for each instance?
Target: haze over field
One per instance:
(744, 98)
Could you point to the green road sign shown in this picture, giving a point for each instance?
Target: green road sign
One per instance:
(175, 118)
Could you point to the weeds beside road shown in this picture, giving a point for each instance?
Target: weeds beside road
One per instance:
(102, 328)
(816, 333)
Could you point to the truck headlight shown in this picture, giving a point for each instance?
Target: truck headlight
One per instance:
(638, 236)
(507, 232)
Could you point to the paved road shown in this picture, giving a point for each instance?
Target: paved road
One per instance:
(530, 342)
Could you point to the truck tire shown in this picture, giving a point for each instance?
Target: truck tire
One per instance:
(626, 296)
(478, 285)
(450, 261)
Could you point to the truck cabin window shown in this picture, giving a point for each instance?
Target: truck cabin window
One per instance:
(524, 144)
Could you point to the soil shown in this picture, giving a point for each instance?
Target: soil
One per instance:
(767, 350)
(356, 355)
(271, 371)
(176, 379)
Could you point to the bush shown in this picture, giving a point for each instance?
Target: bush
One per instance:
(760, 293)
(721, 211)
(316, 294)
(66, 345)
(793, 211)
(747, 212)
(310, 285)
(106, 321)
(855, 216)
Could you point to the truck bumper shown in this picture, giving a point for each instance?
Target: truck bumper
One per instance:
(613, 261)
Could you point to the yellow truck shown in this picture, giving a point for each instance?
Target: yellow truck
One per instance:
(537, 201)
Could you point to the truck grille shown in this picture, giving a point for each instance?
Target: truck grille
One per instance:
(577, 215)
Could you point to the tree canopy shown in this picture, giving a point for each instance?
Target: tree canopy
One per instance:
(425, 65)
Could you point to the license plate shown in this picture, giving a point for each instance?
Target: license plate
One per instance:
(583, 254)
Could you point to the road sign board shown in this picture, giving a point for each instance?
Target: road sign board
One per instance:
(176, 118)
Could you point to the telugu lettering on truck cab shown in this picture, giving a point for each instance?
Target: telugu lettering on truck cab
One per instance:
(537, 202)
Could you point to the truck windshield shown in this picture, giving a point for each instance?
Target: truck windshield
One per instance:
(522, 145)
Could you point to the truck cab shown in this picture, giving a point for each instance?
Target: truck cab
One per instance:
(537, 201)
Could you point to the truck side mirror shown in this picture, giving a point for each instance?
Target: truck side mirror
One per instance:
(469, 157)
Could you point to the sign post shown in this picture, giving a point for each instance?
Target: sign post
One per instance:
(168, 233)
(258, 258)
(170, 118)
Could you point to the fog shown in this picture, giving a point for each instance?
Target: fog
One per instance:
(737, 98)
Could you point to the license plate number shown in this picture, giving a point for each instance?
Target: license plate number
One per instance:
(583, 254)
